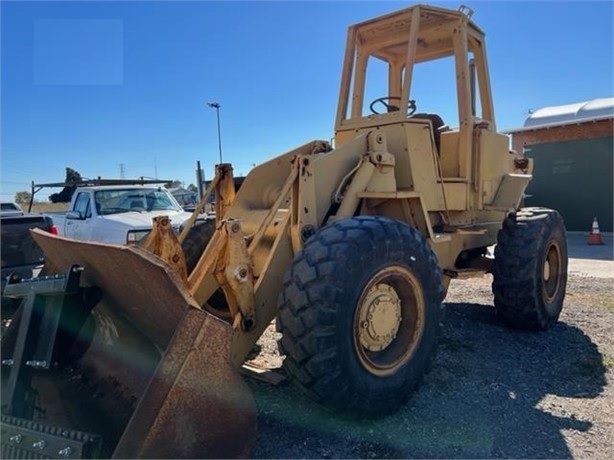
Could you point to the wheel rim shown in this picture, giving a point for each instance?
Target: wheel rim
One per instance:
(551, 273)
(389, 320)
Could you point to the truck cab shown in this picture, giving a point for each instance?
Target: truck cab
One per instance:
(120, 214)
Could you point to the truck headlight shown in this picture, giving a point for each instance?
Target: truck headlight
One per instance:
(134, 236)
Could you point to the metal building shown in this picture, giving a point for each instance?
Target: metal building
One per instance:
(572, 147)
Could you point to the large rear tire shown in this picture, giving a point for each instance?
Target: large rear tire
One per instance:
(359, 314)
(530, 270)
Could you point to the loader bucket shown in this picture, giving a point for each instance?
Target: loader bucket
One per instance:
(156, 350)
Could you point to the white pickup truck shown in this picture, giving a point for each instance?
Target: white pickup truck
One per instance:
(120, 214)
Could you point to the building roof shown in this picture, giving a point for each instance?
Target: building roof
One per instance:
(580, 112)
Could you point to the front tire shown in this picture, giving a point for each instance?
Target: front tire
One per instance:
(530, 271)
(196, 241)
(359, 314)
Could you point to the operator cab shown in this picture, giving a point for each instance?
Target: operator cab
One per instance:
(418, 66)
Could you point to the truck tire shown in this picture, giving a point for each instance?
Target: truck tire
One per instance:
(193, 247)
(196, 241)
(530, 269)
(359, 314)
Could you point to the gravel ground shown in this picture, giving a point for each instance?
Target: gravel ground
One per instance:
(492, 392)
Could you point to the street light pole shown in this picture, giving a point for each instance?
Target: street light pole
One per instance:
(216, 106)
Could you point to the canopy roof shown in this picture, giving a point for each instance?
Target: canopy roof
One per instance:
(596, 109)
(387, 35)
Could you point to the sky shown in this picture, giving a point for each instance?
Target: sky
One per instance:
(120, 89)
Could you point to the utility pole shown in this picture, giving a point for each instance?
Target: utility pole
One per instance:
(216, 106)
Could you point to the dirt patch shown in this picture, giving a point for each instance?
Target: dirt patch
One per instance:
(491, 392)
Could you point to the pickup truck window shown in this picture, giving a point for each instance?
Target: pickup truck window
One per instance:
(82, 205)
(9, 207)
(118, 201)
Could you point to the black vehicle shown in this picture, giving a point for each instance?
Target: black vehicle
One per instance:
(21, 256)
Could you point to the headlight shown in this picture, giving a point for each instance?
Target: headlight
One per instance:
(134, 236)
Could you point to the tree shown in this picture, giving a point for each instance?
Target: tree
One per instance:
(73, 178)
(23, 197)
(192, 188)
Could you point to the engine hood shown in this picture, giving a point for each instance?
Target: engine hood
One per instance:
(143, 220)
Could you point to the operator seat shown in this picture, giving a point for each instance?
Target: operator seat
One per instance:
(437, 124)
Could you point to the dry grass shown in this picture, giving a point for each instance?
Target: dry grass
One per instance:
(594, 299)
(48, 207)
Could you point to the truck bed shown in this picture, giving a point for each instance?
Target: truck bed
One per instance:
(20, 255)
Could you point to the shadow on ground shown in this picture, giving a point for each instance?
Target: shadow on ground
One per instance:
(480, 399)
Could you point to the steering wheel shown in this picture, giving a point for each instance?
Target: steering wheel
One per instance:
(385, 101)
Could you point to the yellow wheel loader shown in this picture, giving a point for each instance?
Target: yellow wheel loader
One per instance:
(129, 351)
